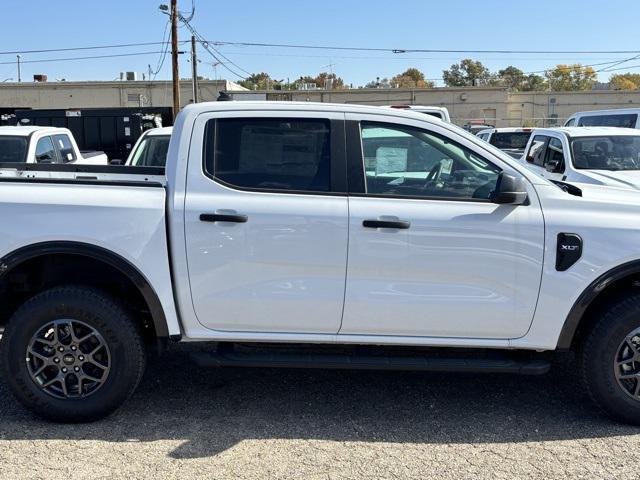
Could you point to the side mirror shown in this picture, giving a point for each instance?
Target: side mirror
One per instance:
(552, 166)
(509, 190)
(116, 161)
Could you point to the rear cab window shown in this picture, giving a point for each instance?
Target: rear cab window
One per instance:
(13, 149)
(627, 120)
(510, 140)
(274, 154)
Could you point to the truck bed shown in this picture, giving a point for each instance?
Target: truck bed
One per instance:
(76, 173)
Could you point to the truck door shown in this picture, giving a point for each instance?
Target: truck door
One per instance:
(429, 254)
(266, 222)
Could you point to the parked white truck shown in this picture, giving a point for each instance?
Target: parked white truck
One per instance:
(595, 155)
(296, 234)
(44, 145)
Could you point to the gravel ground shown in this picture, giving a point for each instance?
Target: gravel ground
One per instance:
(190, 422)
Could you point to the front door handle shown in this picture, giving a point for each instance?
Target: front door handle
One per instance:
(399, 224)
(223, 217)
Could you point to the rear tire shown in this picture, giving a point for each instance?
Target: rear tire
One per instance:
(72, 354)
(610, 361)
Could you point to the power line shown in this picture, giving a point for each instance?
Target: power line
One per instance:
(396, 51)
(93, 57)
(418, 50)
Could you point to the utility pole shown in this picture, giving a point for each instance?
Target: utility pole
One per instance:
(194, 70)
(19, 72)
(174, 58)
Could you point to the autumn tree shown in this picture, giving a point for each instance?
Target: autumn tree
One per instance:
(329, 81)
(467, 73)
(625, 81)
(411, 78)
(571, 78)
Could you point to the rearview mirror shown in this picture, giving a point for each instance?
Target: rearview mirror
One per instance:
(509, 190)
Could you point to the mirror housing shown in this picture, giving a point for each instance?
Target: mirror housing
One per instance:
(552, 166)
(509, 190)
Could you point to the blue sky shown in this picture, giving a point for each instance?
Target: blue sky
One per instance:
(586, 25)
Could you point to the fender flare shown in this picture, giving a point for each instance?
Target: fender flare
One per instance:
(585, 299)
(23, 254)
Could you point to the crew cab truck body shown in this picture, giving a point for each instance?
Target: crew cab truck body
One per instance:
(330, 226)
(44, 145)
(510, 140)
(618, 117)
(594, 155)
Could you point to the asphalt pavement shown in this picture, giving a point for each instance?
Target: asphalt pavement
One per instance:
(190, 422)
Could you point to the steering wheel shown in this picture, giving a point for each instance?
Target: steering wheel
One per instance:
(435, 173)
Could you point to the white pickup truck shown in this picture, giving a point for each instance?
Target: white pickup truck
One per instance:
(44, 145)
(595, 155)
(315, 235)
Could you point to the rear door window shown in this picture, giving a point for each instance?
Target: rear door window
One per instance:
(13, 149)
(276, 154)
(621, 120)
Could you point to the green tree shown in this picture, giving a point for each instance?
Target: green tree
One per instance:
(378, 83)
(571, 78)
(467, 73)
(625, 81)
(411, 78)
(258, 81)
(517, 80)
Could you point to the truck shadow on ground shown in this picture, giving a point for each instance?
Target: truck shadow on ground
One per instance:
(212, 410)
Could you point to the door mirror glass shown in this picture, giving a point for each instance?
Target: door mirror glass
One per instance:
(509, 190)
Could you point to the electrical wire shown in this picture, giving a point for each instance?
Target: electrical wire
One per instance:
(155, 52)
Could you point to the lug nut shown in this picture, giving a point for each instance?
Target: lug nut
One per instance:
(76, 369)
(56, 360)
(81, 358)
(74, 348)
(61, 349)
(64, 369)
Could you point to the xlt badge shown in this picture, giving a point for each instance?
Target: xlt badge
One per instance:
(569, 250)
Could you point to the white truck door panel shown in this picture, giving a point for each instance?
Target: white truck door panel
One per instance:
(283, 270)
(462, 268)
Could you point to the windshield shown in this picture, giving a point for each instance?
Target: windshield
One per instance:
(152, 151)
(612, 152)
(13, 149)
(514, 140)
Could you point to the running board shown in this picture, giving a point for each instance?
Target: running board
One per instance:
(358, 362)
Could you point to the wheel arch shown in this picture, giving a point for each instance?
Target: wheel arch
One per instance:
(609, 286)
(21, 256)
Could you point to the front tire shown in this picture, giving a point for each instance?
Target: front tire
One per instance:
(610, 360)
(72, 354)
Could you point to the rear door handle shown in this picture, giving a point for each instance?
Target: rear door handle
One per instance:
(222, 217)
(399, 224)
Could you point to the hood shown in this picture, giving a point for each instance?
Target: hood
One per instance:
(615, 178)
(608, 193)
